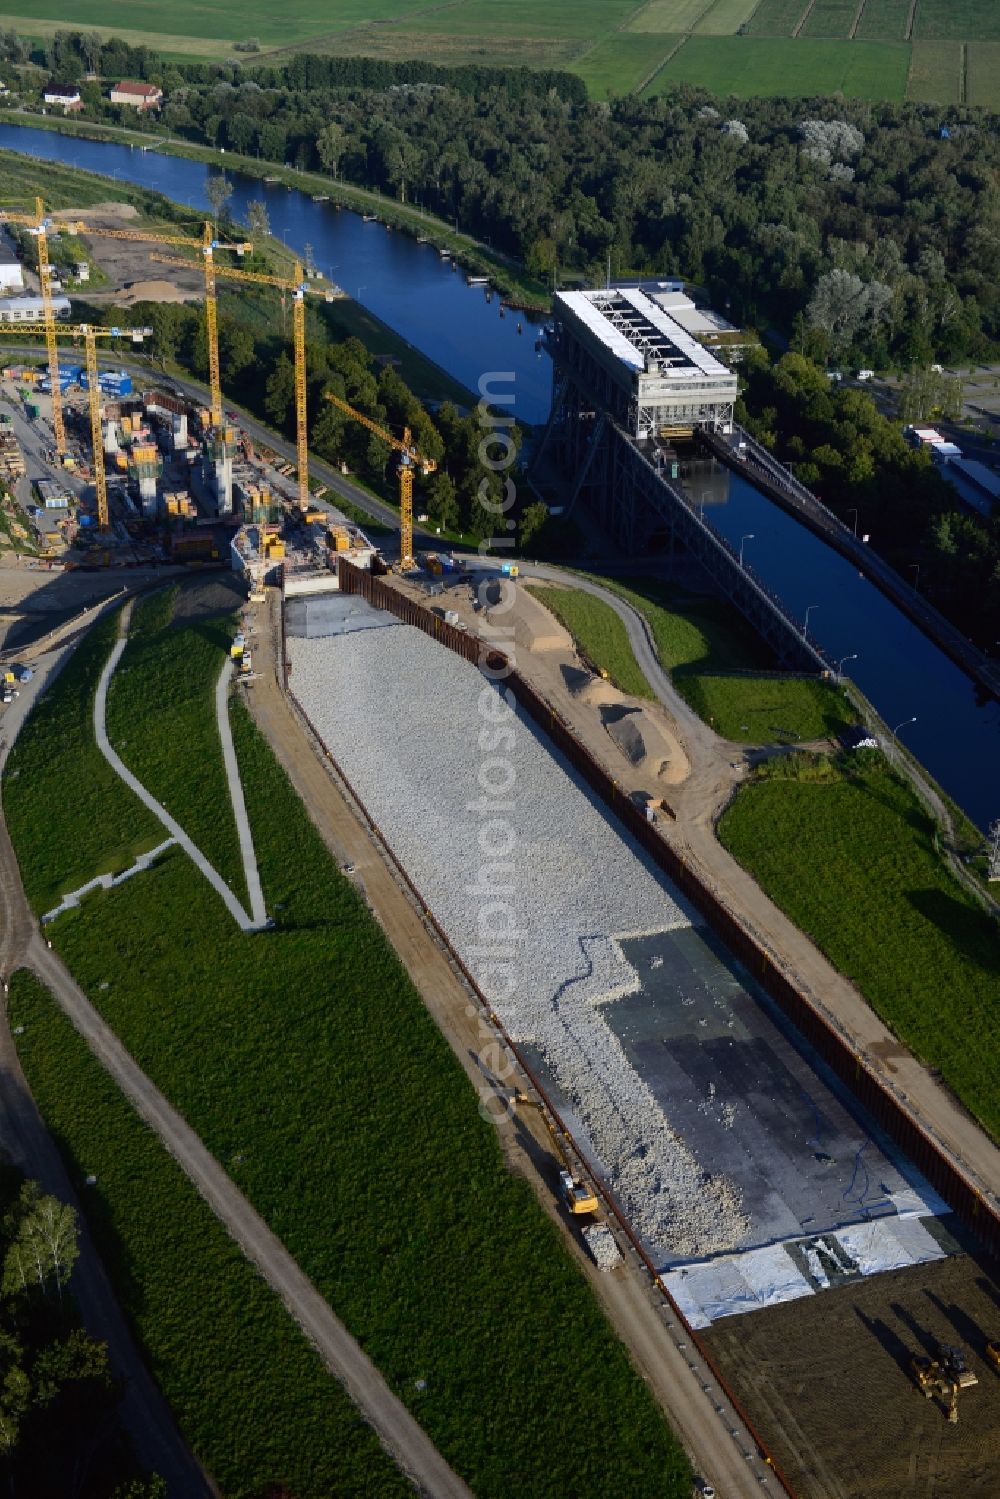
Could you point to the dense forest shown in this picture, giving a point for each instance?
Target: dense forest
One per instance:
(867, 233)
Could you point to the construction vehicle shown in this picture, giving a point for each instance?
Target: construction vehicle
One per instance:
(89, 334)
(408, 460)
(297, 286)
(943, 1376)
(577, 1197)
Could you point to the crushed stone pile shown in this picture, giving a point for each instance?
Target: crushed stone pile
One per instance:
(533, 886)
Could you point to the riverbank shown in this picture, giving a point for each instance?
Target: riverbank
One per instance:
(509, 278)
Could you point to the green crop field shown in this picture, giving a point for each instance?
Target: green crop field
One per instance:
(599, 634)
(308, 1064)
(963, 20)
(884, 20)
(935, 73)
(831, 18)
(601, 40)
(670, 15)
(851, 857)
(623, 62)
(983, 75)
(252, 1397)
(725, 17)
(777, 17)
(746, 66)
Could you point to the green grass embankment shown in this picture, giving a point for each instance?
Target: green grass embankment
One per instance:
(69, 815)
(508, 276)
(308, 1064)
(253, 1399)
(162, 721)
(715, 661)
(598, 633)
(848, 852)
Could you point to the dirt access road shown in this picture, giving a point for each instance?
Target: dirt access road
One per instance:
(720, 1445)
(717, 767)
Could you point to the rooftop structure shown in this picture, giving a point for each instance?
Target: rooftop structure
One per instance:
(63, 96)
(136, 95)
(11, 275)
(650, 373)
(31, 309)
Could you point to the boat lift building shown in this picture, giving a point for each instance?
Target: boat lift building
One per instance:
(652, 377)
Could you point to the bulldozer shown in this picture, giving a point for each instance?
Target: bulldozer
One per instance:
(943, 1376)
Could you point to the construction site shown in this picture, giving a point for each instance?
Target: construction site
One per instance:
(708, 1132)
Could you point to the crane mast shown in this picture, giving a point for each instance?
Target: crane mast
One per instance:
(409, 458)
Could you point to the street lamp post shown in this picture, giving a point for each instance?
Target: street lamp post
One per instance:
(748, 537)
(916, 576)
(805, 627)
(854, 511)
(903, 725)
(840, 668)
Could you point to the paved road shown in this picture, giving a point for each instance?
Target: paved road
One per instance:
(697, 803)
(695, 1405)
(235, 909)
(258, 911)
(21, 945)
(146, 1415)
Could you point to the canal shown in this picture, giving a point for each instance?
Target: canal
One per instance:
(956, 732)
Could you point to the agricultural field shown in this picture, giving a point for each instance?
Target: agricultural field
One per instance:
(777, 17)
(601, 40)
(848, 852)
(885, 20)
(622, 63)
(469, 1288)
(964, 20)
(935, 73)
(801, 67)
(725, 17)
(983, 75)
(831, 18)
(252, 1398)
(670, 15)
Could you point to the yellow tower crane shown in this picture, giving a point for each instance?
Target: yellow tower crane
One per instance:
(39, 226)
(297, 287)
(210, 270)
(90, 335)
(409, 459)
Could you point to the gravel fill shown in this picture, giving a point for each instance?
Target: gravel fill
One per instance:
(415, 730)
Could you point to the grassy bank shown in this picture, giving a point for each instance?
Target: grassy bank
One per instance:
(308, 1064)
(849, 853)
(598, 633)
(715, 660)
(162, 721)
(509, 277)
(69, 815)
(252, 1397)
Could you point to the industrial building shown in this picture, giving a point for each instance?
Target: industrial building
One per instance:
(641, 364)
(11, 275)
(31, 309)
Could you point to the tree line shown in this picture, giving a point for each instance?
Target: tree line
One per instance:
(865, 233)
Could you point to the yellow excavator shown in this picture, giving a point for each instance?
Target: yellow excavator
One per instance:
(577, 1196)
(944, 1376)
